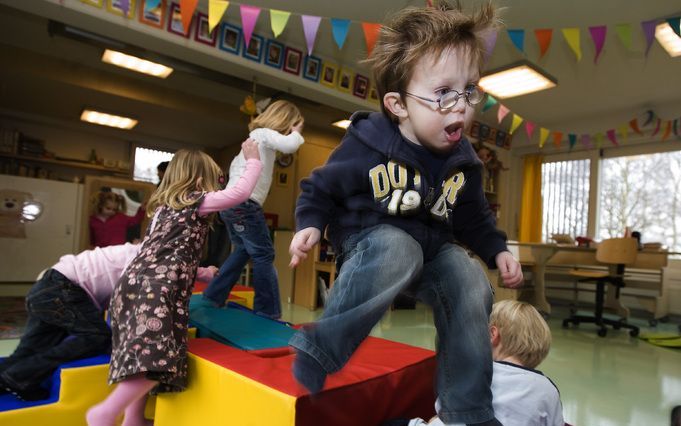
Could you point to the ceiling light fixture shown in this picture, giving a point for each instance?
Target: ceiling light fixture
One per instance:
(105, 119)
(135, 64)
(668, 39)
(516, 79)
(343, 124)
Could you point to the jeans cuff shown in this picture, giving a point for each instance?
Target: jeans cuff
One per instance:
(301, 343)
(473, 416)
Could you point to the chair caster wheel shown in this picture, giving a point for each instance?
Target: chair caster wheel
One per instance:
(653, 323)
(566, 324)
(616, 326)
(633, 333)
(602, 332)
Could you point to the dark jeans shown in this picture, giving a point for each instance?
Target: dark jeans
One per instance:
(251, 240)
(63, 325)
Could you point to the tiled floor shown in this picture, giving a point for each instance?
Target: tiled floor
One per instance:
(611, 381)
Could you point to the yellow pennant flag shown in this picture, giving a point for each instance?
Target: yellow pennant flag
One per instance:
(572, 37)
(515, 123)
(216, 8)
(278, 20)
(543, 134)
(624, 131)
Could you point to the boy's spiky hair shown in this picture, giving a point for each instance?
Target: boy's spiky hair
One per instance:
(414, 32)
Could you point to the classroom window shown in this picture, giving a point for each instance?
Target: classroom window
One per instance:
(642, 192)
(565, 198)
(146, 161)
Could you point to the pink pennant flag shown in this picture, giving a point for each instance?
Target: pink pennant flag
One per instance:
(649, 32)
(249, 16)
(586, 140)
(612, 136)
(657, 127)
(502, 112)
(310, 27)
(529, 129)
(598, 36)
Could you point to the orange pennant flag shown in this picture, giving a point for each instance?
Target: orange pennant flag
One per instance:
(187, 8)
(634, 126)
(557, 138)
(370, 35)
(544, 40)
(667, 130)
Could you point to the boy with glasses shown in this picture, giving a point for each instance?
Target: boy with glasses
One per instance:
(400, 196)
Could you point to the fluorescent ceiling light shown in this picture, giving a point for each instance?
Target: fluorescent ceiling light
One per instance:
(105, 119)
(343, 124)
(668, 39)
(516, 79)
(136, 64)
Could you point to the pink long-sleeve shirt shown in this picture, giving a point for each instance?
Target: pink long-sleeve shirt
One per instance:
(233, 195)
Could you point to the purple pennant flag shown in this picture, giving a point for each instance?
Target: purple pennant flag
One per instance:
(612, 136)
(649, 32)
(125, 7)
(249, 16)
(310, 27)
(586, 140)
(598, 36)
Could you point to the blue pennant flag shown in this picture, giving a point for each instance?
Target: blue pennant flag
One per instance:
(340, 28)
(518, 38)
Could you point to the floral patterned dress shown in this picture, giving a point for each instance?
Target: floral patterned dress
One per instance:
(150, 305)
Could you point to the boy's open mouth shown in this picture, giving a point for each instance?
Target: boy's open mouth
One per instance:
(454, 132)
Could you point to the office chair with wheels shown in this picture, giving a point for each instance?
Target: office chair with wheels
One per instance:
(615, 253)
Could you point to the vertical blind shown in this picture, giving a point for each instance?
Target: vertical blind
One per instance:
(565, 195)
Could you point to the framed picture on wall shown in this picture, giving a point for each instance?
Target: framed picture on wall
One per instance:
(373, 93)
(116, 6)
(274, 54)
(283, 178)
(292, 60)
(312, 68)
(361, 86)
(95, 3)
(175, 21)
(329, 74)
(345, 77)
(154, 16)
(230, 38)
(254, 49)
(201, 32)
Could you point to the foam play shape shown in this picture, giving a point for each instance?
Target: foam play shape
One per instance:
(76, 386)
(240, 294)
(383, 380)
(237, 327)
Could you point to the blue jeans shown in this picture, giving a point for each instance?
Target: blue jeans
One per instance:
(63, 325)
(377, 264)
(250, 240)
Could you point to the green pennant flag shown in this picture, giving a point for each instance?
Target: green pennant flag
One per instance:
(624, 34)
(278, 20)
(489, 103)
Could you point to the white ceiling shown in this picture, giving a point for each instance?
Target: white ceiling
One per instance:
(55, 77)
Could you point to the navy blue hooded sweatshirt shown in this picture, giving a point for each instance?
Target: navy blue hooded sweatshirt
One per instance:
(373, 177)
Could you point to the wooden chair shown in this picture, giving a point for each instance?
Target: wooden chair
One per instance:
(615, 253)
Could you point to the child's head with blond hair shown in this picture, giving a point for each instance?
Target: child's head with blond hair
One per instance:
(189, 171)
(280, 116)
(518, 331)
(107, 204)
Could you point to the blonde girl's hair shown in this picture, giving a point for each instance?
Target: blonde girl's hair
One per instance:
(189, 171)
(280, 116)
(102, 197)
(523, 331)
(413, 33)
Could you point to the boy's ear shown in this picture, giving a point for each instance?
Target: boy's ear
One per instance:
(392, 101)
(495, 337)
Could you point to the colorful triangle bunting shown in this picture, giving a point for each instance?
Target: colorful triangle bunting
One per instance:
(489, 102)
(187, 8)
(310, 27)
(339, 28)
(543, 134)
(649, 32)
(370, 35)
(624, 34)
(501, 113)
(518, 39)
(572, 140)
(612, 136)
(598, 36)
(216, 9)
(544, 39)
(278, 21)
(249, 16)
(675, 23)
(529, 129)
(572, 37)
(557, 138)
(515, 123)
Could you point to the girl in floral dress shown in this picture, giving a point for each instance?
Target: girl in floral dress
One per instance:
(150, 306)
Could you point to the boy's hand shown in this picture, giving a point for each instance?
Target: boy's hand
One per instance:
(298, 127)
(250, 149)
(301, 243)
(509, 267)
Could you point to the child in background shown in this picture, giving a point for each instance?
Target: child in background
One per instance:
(522, 396)
(108, 226)
(399, 190)
(248, 230)
(68, 300)
(150, 304)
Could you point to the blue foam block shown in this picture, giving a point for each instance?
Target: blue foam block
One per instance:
(237, 327)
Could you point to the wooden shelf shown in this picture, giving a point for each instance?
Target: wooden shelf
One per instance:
(65, 163)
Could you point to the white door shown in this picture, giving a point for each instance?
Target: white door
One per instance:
(36, 245)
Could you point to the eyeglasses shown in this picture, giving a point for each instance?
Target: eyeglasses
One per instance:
(472, 93)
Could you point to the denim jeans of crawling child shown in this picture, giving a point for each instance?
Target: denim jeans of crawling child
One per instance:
(63, 325)
(251, 239)
(377, 264)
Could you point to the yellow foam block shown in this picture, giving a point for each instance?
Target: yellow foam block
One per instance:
(246, 295)
(223, 397)
(81, 388)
